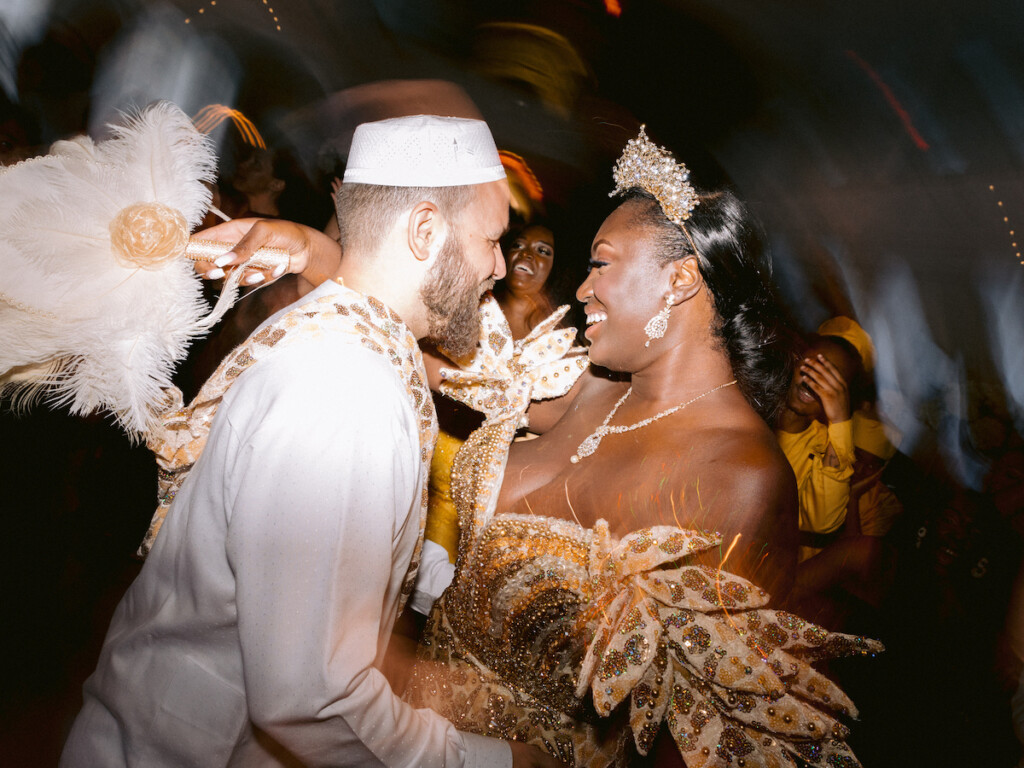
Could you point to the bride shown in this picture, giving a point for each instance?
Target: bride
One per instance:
(613, 574)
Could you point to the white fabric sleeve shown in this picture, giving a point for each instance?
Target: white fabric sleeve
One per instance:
(436, 573)
(324, 484)
(485, 752)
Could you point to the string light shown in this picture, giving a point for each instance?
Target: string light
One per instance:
(212, 3)
(1006, 220)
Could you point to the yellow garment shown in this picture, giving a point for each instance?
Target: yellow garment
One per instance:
(878, 506)
(872, 436)
(848, 329)
(879, 509)
(442, 520)
(824, 491)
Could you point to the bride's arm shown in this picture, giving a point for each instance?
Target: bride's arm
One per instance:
(544, 414)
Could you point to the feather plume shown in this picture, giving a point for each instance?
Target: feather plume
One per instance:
(93, 331)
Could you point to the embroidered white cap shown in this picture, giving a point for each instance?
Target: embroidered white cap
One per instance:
(423, 151)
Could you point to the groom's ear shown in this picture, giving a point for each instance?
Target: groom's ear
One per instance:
(426, 230)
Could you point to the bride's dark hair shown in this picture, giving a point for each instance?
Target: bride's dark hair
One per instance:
(737, 270)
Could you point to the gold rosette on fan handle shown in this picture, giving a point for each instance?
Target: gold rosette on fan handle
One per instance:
(151, 235)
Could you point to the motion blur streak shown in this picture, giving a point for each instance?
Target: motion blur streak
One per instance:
(22, 23)
(1003, 303)
(212, 115)
(921, 390)
(157, 57)
(904, 116)
(1000, 87)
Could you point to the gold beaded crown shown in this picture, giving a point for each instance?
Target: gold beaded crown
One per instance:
(653, 169)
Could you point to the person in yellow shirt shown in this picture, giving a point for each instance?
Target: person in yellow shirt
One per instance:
(815, 430)
(837, 447)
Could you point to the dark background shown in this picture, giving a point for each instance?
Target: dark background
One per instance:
(881, 142)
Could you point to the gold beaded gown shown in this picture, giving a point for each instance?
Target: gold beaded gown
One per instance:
(569, 639)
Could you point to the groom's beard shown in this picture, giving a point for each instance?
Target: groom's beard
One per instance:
(452, 294)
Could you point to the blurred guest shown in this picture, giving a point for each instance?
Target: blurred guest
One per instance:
(258, 178)
(212, 218)
(524, 294)
(837, 447)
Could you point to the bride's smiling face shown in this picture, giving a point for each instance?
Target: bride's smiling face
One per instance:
(623, 291)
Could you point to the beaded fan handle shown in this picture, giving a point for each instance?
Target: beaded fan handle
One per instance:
(208, 250)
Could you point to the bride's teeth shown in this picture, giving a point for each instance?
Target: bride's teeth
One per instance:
(597, 317)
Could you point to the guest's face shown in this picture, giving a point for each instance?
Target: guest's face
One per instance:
(801, 398)
(529, 259)
(624, 290)
(255, 174)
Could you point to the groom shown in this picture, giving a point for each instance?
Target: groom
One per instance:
(254, 633)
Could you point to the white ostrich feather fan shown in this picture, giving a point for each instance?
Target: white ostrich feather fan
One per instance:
(98, 301)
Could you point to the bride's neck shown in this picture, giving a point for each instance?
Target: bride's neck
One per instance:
(681, 373)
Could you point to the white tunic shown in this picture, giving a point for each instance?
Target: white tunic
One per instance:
(254, 632)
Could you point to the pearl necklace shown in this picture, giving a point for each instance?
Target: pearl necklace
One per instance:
(588, 446)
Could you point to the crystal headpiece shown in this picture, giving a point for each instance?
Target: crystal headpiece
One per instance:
(653, 169)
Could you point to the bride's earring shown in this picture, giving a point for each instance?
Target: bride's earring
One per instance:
(658, 324)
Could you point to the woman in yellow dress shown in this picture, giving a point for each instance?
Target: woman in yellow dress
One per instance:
(525, 302)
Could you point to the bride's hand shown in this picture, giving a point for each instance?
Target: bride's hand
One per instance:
(311, 253)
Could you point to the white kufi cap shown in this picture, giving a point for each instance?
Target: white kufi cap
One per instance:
(423, 151)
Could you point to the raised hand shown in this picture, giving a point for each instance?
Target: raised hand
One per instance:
(310, 253)
(828, 384)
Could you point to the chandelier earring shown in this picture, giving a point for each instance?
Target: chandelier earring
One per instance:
(658, 324)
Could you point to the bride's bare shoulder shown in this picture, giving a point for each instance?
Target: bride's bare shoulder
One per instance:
(748, 491)
(745, 465)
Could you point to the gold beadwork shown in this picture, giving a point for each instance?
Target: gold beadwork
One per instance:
(264, 258)
(180, 441)
(549, 627)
